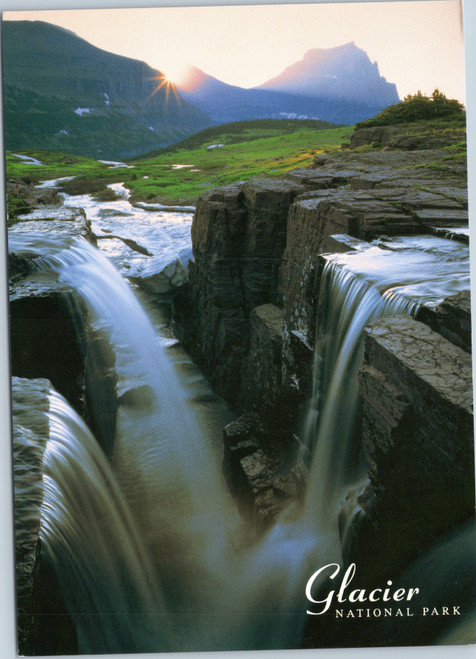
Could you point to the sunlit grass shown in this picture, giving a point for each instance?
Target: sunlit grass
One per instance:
(261, 153)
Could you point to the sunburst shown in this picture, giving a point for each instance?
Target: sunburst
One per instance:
(164, 82)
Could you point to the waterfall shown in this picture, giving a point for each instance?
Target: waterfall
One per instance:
(347, 304)
(162, 458)
(389, 278)
(149, 549)
(89, 536)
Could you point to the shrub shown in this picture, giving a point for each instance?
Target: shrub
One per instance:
(16, 206)
(417, 107)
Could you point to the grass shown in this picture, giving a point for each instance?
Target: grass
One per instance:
(251, 151)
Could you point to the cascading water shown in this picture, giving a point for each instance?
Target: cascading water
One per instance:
(89, 536)
(358, 287)
(162, 459)
(347, 305)
(198, 579)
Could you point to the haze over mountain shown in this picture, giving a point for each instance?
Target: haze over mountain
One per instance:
(344, 72)
(63, 94)
(337, 84)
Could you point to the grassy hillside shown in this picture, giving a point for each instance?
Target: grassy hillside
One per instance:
(182, 173)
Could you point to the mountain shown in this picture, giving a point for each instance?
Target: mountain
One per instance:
(344, 72)
(336, 84)
(227, 103)
(63, 94)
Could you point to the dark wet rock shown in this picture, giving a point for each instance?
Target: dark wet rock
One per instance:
(52, 337)
(312, 226)
(129, 242)
(44, 341)
(451, 319)
(238, 235)
(261, 368)
(417, 414)
(262, 483)
(258, 245)
(142, 396)
(248, 312)
(30, 432)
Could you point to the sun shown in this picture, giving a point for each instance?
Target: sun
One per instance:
(170, 80)
(164, 81)
(176, 72)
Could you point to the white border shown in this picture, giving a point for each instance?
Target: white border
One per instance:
(7, 615)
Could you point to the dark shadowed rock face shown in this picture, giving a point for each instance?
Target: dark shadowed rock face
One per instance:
(52, 337)
(238, 235)
(44, 342)
(30, 432)
(451, 319)
(418, 439)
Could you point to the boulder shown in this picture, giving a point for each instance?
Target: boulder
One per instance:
(260, 479)
(31, 194)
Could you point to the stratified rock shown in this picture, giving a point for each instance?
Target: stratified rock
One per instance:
(417, 435)
(248, 312)
(262, 368)
(238, 235)
(44, 626)
(406, 137)
(451, 319)
(312, 224)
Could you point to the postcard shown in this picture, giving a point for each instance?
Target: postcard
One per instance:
(239, 327)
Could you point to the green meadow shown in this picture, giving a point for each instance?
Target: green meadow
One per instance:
(181, 173)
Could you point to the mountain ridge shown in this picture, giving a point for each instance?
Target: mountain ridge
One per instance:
(344, 71)
(338, 84)
(63, 93)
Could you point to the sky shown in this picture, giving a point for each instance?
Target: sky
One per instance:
(417, 45)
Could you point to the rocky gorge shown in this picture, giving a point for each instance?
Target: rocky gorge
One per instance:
(250, 315)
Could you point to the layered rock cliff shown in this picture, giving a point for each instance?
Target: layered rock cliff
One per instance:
(248, 316)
